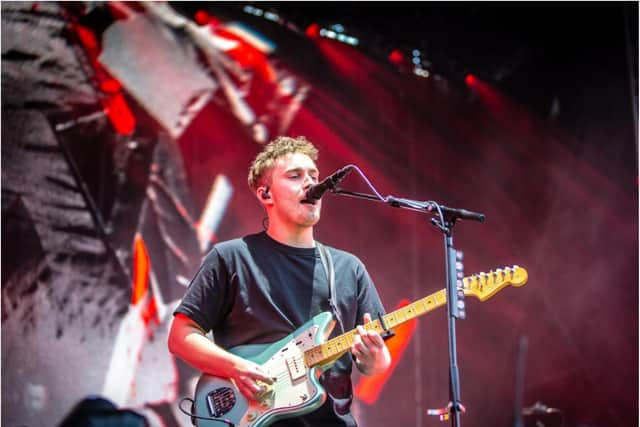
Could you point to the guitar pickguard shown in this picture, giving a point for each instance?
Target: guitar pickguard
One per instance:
(293, 387)
(295, 391)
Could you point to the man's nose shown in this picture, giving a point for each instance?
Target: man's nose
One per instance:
(308, 181)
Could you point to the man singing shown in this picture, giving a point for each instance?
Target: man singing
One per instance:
(259, 288)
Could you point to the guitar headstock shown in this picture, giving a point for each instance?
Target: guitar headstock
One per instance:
(485, 285)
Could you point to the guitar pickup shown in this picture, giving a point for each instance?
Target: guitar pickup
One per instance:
(296, 368)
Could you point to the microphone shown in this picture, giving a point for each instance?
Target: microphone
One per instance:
(316, 191)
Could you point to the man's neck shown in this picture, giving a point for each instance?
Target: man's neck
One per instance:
(302, 238)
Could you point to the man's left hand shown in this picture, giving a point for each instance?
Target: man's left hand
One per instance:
(371, 353)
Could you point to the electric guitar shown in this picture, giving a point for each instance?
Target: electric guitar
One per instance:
(298, 360)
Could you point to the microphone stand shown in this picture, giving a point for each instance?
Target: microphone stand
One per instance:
(445, 221)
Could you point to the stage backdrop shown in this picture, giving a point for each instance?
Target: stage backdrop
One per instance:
(127, 131)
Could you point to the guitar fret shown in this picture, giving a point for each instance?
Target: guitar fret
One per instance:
(329, 347)
(377, 326)
(419, 308)
(441, 297)
(396, 322)
(388, 321)
(349, 337)
(411, 313)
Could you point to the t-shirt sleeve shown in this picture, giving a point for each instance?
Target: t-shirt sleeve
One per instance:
(204, 300)
(368, 298)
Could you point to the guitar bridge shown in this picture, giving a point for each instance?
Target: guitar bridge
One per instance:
(221, 401)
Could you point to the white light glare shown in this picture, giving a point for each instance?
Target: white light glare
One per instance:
(421, 72)
(340, 37)
(416, 52)
(253, 10)
(271, 16)
(415, 60)
(338, 28)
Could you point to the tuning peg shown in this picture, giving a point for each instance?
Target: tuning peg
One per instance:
(475, 281)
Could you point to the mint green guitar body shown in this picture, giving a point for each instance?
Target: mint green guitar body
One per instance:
(296, 391)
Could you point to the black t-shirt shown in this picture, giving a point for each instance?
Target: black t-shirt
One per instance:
(255, 290)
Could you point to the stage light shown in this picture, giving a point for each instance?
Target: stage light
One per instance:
(253, 10)
(470, 79)
(352, 41)
(201, 17)
(333, 35)
(396, 57)
(415, 52)
(421, 72)
(313, 31)
(271, 16)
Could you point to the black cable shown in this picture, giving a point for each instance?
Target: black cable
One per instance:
(194, 416)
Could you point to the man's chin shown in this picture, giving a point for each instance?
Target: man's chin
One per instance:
(312, 219)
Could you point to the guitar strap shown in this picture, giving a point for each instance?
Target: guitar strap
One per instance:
(327, 263)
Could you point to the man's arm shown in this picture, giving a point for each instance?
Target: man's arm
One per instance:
(371, 353)
(188, 341)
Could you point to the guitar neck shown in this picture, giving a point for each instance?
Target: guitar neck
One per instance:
(334, 348)
(482, 285)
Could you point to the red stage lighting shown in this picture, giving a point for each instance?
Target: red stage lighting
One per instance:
(470, 79)
(201, 17)
(313, 31)
(396, 57)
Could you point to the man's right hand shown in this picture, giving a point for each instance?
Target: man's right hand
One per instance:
(189, 342)
(250, 379)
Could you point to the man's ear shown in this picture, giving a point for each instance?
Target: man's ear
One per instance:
(263, 193)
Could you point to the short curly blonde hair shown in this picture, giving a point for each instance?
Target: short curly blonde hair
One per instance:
(281, 146)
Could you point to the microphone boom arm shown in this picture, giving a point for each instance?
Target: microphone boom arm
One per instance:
(414, 205)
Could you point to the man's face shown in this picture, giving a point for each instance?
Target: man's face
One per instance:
(292, 175)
